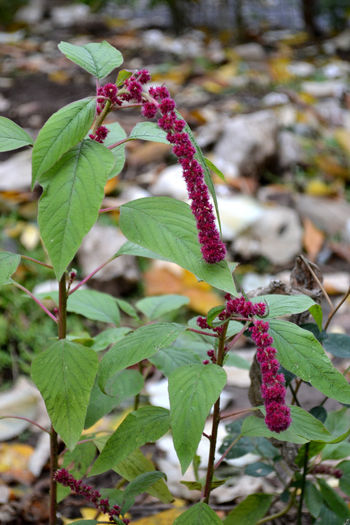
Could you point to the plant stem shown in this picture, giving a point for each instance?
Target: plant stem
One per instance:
(36, 261)
(234, 442)
(336, 308)
(301, 499)
(62, 332)
(28, 420)
(201, 332)
(215, 424)
(282, 512)
(38, 302)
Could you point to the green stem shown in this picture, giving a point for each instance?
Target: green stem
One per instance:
(62, 332)
(284, 511)
(102, 116)
(215, 424)
(303, 480)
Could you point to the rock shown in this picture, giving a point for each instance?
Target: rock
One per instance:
(330, 216)
(248, 142)
(342, 41)
(209, 133)
(251, 52)
(328, 88)
(97, 247)
(68, 16)
(331, 110)
(277, 235)
(31, 13)
(16, 172)
(188, 45)
(301, 69)
(170, 183)
(336, 69)
(132, 193)
(237, 213)
(286, 115)
(290, 152)
(275, 99)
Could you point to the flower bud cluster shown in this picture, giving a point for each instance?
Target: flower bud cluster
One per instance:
(272, 388)
(100, 134)
(81, 489)
(327, 469)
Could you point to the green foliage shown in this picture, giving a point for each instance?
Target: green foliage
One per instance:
(199, 514)
(12, 136)
(250, 510)
(8, 265)
(97, 59)
(155, 307)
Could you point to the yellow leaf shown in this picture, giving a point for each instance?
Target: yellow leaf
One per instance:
(163, 518)
(278, 68)
(343, 137)
(14, 456)
(30, 236)
(313, 239)
(169, 278)
(59, 77)
(331, 166)
(111, 185)
(318, 188)
(87, 513)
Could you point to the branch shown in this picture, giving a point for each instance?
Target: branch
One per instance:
(38, 302)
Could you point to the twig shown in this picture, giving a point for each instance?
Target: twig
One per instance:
(38, 302)
(28, 420)
(91, 275)
(336, 308)
(306, 262)
(234, 442)
(36, 261)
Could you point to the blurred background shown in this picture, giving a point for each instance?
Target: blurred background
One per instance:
(264, 84)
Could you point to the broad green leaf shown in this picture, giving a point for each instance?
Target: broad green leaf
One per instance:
(313, 499)
(8, 265)
(167, 227)
(108, 337)
(202, 161)
(148, 131)
(335, 502)
(328, 517)
(233, 359)
(127, 383)
(60, 133)
(130, 248)
(154, 307)
(69, 205)
(317, 314)
(127, 308)
(12, 136)
(304, 427)
(138, 486)
(170, 358)
(250, 510)
(338, 421)
(278, 305)
(336, 451)
(65, 375)
(136, 464)
(123, 74)
(258, 469)
(301, 353)
(214, 168)
(97, 59)
(213, 313)
(141, 344)
(199, 514)
(193, 389)
(116, 134)
(94, 305)
(146, 424)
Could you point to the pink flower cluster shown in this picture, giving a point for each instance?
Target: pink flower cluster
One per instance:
(158, 100)
(100, 134)
(78, 487)
(272, 388)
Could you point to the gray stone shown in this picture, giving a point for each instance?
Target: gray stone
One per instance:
(275, 99)
(290, 152)
(67, 16)
(248, 142)
(31, 13)
(328, 88)
(342, 41)
(301, 69)
(251, 52)
(16, 172)
(331, 216)
(170, 183)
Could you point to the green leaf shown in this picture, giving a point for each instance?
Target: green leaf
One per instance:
(108, 337)
(130, 248)
(154, 307)
(97, 59)
(258, 469)
(199, 514)
(148, 131)
(213, 313)
(304, 427)
(94, 305)
(214, 168)
(127, 383)
(141, 344)
(136, 464)
(127, 308)
(8, 265)
(116, 134)
(344, 482)
(336, 451)
(12, 136)
(167, 227)
(70, 203)
(198, 485)
(250, 510)
(202, 161)
(316, 312)
(301, 353)
(146, 424)
(170, 358)
(236, 360)
(65, 375)
(333, 500)
(193, 389)
(337, 344)
(313, 499)
(123, 74)
(61, 132)
(138, 486)
(279, 305)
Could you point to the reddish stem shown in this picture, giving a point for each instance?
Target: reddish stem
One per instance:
(38, 302)
(90, 275)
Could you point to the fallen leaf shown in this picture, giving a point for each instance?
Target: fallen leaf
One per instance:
(313, 239)
(14, 459)
(165, 517)
(111, 185)
(278, 68)
(331, 166)
(169, 278)
(319, 188)
(60, 77)
(343, 138)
